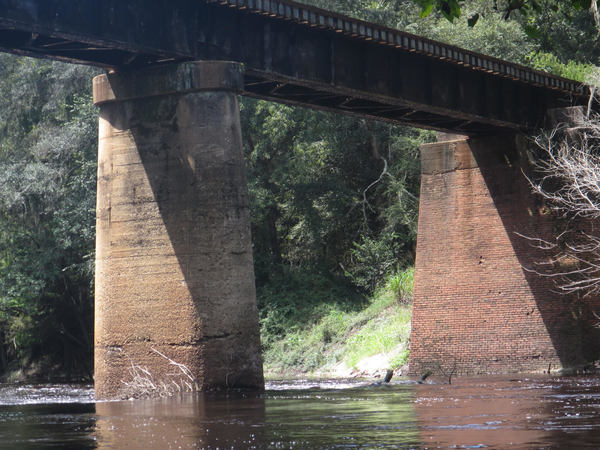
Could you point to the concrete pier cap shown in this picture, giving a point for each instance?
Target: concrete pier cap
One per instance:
(171, 79)
(175, 296)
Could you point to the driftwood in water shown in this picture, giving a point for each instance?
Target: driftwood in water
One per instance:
(425, 376)
(388, 376)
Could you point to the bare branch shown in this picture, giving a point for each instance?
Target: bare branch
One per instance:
(567, 177)
(142, 383)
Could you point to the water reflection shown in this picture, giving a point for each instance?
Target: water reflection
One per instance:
(283, 418)
(361, 417)
(37, 426)
(485, 412)
(501, 412)
(186, 421)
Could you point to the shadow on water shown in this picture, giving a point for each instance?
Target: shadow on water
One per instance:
(499, 412)
(189, 421)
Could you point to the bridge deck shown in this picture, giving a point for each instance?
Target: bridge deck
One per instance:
(296, 54)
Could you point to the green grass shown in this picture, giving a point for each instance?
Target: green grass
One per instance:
(382, 334)
(341, 334)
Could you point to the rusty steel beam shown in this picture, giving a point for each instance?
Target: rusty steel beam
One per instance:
(319, 18)
(109, 33)
(394, 84)
(296, 54)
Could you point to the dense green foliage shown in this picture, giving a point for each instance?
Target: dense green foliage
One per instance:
(339, 337)
(454, 9)
(328, 191)
(333, 199)
(47, 202)
(334, 211)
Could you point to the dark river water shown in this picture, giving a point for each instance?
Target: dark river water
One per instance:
(536, 412)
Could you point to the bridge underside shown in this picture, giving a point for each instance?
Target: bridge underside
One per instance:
(295, 54)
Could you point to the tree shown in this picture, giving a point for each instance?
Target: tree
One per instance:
(320, 183)
(47, 202)
(452, 9)
(568, 179)
(333, 203)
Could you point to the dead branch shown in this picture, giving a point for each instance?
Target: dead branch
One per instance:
(567, 177)
(142, 383)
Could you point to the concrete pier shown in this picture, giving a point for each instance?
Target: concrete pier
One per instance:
(174, 270)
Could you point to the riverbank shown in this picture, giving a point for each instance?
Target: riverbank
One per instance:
(312, 335)
(44, 370)
(346, 344)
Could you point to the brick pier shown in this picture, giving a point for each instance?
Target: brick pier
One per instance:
(476, 309)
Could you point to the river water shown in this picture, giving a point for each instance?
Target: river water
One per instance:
(499, 412)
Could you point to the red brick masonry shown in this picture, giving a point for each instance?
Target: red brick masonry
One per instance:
(476, 310)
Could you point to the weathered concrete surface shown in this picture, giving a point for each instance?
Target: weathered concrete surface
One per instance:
(477, 309)
(174, 269)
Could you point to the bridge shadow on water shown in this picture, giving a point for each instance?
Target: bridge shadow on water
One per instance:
(568, 319)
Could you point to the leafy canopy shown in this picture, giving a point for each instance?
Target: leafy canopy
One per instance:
(451, 9)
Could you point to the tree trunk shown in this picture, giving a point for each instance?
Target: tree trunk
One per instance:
(272, 216)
